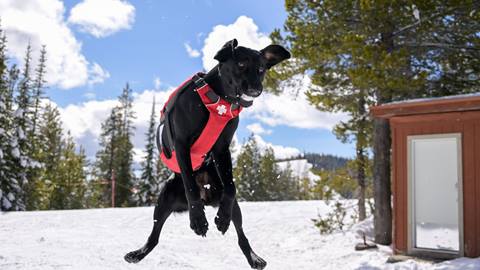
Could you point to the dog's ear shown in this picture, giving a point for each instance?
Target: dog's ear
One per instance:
(275, 54)
(226, 51)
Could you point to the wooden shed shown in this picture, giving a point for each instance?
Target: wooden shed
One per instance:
(435, 175)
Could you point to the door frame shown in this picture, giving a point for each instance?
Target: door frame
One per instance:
(411, 239)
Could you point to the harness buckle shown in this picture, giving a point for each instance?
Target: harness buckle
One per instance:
(199, 82)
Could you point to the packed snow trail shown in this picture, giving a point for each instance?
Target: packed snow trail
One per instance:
(280, 232)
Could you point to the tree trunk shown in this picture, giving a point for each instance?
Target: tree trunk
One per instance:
(381, 182)
(361, 182)
(360, 149)
(381, 162)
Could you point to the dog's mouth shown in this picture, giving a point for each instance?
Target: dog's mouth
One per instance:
(243, 100)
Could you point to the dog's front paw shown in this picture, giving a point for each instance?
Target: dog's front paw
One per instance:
(222, 220)
(198, 221)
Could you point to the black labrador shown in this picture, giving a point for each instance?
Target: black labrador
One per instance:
(237, 79)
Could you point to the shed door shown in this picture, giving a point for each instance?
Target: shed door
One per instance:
(435, 193)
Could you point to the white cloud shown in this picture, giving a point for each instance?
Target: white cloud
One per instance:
(84, 120)
(97, 74)
(191, 52)
(243, 29)
(258, 129)
(90, 95)
(157, 83)
(138, 155)
(291, 108)
(41, 22)
(102, 18)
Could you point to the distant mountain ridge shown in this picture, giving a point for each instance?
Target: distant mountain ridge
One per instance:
(325, 161)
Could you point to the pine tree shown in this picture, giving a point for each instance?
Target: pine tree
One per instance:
(259, 178)
(381, 51)
(62, 180)
(247, 170)
(38, 91)
(268, 177)
(124, 174)
(21, 147)
(115, 157)
(163, 173)
(49, 178)
(95, 189)
(280, 184)
(149, 183)
(105, 160)
(71, 189)
(11, 193)
(359, 130)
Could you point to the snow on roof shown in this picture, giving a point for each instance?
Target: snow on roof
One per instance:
(456, 103)
(477, 94)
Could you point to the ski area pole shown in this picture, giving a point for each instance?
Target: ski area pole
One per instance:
(113, 188)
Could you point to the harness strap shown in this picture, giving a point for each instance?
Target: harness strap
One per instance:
(221, 112)
(167, 145)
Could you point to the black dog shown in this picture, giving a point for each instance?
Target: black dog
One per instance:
(237, 79)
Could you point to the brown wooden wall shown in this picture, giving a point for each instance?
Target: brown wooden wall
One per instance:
(466, 123)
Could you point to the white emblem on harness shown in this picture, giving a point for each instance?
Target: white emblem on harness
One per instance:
(221, 109)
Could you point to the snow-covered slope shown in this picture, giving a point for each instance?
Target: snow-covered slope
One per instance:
(280, 232)
(301, 168)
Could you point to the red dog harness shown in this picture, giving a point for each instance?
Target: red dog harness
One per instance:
(221, 112)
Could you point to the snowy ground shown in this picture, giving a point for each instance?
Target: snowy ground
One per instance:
(280, 232)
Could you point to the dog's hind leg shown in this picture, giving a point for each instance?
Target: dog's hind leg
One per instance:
(253, 259)
(171, 199)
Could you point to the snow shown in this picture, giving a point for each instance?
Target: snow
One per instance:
(19, 113)
(21, 134)
(300, 168)
(280, 232)
(6, 204)
(16, 152)
(437, 236)
(470, 95)
(10, 196)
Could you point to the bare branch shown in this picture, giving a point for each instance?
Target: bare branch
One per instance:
(417, 23)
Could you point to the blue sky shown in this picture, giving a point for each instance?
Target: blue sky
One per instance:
(154, 46)
(95, 47)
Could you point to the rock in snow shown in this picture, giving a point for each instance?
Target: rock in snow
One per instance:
(280, 232)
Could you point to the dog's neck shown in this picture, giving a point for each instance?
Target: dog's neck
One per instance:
(213, 79)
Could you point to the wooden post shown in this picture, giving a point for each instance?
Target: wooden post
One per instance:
(113, 188)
